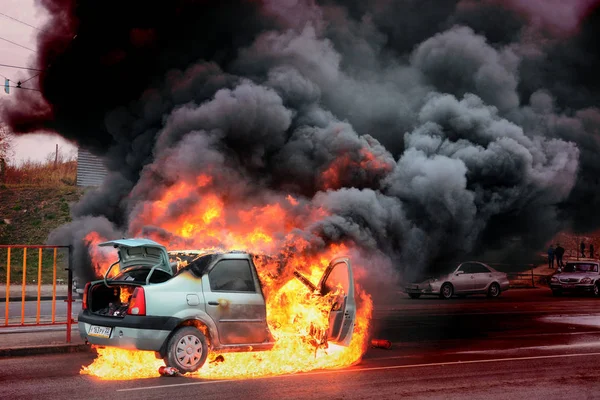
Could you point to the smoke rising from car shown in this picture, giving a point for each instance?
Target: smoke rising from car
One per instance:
(426, 133)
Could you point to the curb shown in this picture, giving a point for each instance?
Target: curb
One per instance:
(38, 350)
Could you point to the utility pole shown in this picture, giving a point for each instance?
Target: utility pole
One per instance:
(56, 157)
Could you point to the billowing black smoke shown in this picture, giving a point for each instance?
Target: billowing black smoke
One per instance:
(452, 128)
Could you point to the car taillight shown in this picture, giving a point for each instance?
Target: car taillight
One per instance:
(84, 302)
(137, 304)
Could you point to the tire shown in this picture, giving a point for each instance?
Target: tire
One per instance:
(446, 291)
(414, 295)
(187, 350)
(596, 291)
(494, 290)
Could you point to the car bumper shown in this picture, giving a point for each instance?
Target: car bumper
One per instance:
(582, 288)
(130, 332)
(421, 289)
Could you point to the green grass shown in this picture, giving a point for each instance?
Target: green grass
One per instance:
(32, 264)
(28, 213)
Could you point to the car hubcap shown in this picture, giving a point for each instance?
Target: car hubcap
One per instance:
(596, 290)
(188, 350)
(494, 290)
(446, 291)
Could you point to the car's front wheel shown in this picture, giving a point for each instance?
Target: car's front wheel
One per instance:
(596, 290)
(494, 290)
(187, 350)
(446, 291)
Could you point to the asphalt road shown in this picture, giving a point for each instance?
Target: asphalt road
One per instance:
(527, 344)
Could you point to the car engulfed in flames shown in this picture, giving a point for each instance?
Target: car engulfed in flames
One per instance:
(222, 314)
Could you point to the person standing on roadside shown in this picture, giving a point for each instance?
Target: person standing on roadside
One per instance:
(582, 247)
(558, 253)
(550, 257)
(591, 250)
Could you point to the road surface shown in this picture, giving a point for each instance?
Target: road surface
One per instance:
(526, 344)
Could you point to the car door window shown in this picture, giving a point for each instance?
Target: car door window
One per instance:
(465, 268)
(479, 269)
(337, 279)
(231, 276)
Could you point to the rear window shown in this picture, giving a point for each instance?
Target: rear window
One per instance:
(139, 274)
(199, 265)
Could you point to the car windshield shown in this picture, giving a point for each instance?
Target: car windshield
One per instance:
(581, 267)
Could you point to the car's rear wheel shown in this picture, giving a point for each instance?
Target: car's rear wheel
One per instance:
(187, 350)
(414, 295)
(446, 291)
(494, 290)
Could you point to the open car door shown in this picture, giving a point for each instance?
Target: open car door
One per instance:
(338, 278)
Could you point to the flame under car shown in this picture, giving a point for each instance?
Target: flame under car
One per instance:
(212, 302)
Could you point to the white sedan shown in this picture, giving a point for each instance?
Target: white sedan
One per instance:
(467, 278)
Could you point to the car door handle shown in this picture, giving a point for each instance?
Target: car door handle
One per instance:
(213, 303)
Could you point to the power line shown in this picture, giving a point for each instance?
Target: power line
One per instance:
(22, 22)
(30, 78)
(17, 44)
(26, 88)
(17, 67)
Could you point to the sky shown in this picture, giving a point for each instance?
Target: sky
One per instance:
(34, 147)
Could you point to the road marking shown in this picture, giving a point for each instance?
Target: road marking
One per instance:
(343, 371)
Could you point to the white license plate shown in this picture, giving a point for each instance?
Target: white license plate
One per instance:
(100, 331)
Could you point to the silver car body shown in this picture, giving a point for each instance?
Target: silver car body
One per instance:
(471, 277)
(581, 276)
(233, 318)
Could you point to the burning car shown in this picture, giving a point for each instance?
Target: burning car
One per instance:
(467, 278)
(214, 302)
(577, 276)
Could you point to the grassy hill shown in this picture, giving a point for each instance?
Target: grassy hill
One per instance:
(34, 200)
(28, 213)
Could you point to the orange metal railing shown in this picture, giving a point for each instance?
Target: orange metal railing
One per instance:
(10, 321)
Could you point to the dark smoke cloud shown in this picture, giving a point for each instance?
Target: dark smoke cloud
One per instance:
(428, 130)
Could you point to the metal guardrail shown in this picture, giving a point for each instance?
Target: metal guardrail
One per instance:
(38, 322)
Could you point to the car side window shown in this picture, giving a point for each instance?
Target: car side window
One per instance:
(466, 268)
(337, 279)
(479, 269)
(231, 276)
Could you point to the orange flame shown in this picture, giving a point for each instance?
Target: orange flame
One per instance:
(102, 257)
(294, 314)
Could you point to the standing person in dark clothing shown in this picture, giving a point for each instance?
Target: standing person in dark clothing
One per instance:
(550, 257)
(558, 253)
(582, 247)
(591, 250)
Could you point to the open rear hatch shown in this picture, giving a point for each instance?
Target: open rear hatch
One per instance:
(140, 262)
